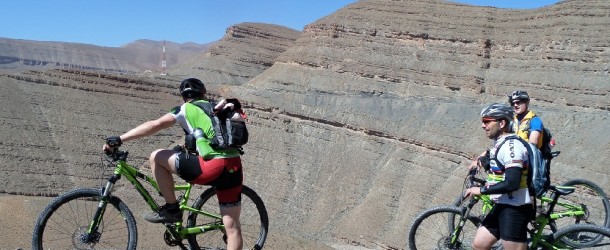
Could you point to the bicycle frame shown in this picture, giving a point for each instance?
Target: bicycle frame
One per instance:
(543, 220)
(123, 169)
(572, 210)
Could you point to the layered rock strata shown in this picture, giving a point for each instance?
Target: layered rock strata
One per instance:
(357, 124)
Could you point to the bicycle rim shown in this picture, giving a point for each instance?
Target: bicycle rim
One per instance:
(253, 219)
(579, 237)
(594, 198)
(64, 222)
(432, 230)
(596, 204)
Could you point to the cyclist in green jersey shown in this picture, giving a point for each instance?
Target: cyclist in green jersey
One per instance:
(202, 165)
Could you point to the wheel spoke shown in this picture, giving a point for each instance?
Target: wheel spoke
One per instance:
(63, 224)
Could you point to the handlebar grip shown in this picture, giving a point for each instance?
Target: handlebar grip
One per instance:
(111, 152)
(481, 181)
(114, 141)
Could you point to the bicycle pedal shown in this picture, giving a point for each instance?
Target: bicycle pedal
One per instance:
(170, 240)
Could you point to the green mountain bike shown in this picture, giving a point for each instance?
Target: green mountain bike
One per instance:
(452, 227)
(88, 218)
(588, 204)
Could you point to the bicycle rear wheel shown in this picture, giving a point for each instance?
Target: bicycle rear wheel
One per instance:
(64, 222)
(593, 198)
(595, 202)
(253, 219)
(573, 236)
(432, 229)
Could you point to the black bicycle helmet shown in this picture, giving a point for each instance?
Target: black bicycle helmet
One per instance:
(191, 88)
(498, 111)
(518, 95)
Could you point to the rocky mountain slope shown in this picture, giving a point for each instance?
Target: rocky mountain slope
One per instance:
(357, 123)
(246, 50)
(135, 57)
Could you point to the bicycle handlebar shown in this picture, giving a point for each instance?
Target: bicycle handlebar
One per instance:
(472, 179)
(115, 154)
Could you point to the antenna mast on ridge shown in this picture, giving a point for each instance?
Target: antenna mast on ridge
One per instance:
(163, 62)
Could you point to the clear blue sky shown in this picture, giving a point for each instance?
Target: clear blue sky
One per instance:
(117, 22)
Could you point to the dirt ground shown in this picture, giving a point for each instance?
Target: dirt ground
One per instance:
(19, 213)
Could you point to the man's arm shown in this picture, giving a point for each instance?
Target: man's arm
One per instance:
(511, 183)
(535, 131)
(533, 138)
(149, 128)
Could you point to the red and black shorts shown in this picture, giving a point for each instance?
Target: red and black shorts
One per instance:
(224, 174)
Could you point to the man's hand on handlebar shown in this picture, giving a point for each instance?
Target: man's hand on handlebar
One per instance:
(112, 144)
(474, 183)
(472, 191)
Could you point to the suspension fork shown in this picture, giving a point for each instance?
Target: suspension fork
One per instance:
(93, 234)
(463, 219)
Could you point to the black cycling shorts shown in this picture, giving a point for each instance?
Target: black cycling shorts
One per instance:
(508, 222)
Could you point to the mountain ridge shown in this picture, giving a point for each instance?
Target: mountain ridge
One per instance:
(135, 57)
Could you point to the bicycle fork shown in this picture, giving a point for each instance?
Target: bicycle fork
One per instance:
(92, 235)
(454, 243)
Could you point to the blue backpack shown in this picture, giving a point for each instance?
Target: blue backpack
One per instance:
(539, 172)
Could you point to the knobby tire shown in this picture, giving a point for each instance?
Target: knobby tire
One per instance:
(64, 221)
(597, 206)
(592, 196)
(432, 229)
(574, 236)
(253, 219)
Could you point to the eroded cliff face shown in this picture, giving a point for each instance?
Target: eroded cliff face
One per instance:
(54, 121)
(357, 124)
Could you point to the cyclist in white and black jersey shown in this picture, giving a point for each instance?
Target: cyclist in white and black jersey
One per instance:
(513, 206)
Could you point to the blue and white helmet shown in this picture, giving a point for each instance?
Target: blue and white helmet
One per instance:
(498, 111)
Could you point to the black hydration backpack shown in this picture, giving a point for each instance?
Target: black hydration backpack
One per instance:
(229, 133)
(546, 143)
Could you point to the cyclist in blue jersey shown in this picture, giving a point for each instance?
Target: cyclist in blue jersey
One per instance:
(526, 124)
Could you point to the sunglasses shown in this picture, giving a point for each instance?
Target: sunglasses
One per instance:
(487, 121)
(518, 103)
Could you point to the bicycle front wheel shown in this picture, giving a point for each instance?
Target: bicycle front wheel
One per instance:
(64, 223)
(433, 229)
(253, 219)
(573, 236)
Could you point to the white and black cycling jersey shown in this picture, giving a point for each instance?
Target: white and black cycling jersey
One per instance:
(511, 154)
